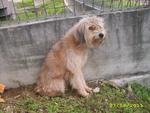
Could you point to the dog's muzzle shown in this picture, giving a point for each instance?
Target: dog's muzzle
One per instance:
(97, 39)
(99, 35)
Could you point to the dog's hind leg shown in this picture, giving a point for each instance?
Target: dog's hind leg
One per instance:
(57, 87)
(51, 80)
(54, 87)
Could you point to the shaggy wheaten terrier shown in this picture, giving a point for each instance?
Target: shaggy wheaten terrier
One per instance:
(67, 57)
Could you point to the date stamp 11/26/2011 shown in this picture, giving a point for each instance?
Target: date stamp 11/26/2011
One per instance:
(125, 105)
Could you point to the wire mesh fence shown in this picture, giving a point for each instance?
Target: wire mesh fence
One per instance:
(18, 11)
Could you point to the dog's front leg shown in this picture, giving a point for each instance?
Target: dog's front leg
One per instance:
(77, 82)
(87, 88)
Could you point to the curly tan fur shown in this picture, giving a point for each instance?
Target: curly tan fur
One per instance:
(67, 57)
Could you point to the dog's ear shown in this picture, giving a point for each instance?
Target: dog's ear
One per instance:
(79, 35)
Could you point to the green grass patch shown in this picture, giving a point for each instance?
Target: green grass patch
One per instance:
(141, 92)
(114, 4)
(26, 10)
(56, 7)
(108, 100)
(25, 3)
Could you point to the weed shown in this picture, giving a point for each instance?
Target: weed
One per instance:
(108, 100)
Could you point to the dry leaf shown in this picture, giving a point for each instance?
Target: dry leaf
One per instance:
(130, 93)
(111, 83)
(2, 87)
(2, 100)
(17, 96)
(96, 90)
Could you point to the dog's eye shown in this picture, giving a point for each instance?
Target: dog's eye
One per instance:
(92, 27)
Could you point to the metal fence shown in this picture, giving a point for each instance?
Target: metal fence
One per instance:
(18, 11)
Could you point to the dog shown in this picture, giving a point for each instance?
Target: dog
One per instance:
(65, 61)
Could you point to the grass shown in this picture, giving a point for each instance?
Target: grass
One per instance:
(47, 9)
(26, 10)
(142, 92)
(25, 3)
(56, 7)
(108, 100)
(114, 4)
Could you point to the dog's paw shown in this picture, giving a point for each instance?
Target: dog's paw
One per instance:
(84, 94)
(87, 95)
(89, 90)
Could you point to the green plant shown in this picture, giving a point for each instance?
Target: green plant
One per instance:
(29, 104)
(108, 100)
(43, 10)
(141, 91)
(117, 3)
(25, 3)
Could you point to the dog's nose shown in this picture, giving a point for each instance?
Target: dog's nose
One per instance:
(101, 35)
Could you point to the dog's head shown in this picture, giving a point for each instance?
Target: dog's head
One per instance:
(91, 31)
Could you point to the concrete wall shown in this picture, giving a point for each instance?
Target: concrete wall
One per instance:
(9, 5)
(78, 6)
(125, 53)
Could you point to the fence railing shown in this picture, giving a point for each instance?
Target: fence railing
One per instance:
(17, 11)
